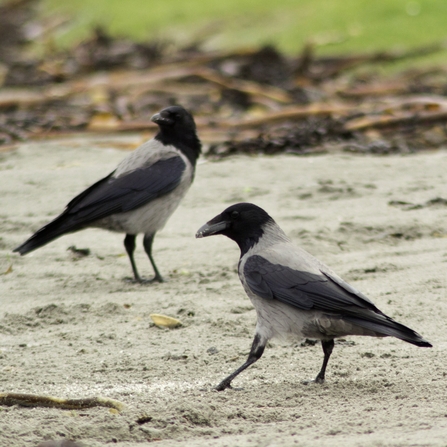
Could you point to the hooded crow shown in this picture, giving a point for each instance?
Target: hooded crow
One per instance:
(293, 293)
(139, 195)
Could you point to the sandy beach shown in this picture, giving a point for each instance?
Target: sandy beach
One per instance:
(71, 327)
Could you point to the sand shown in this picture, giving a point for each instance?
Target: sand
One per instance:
(71, 327)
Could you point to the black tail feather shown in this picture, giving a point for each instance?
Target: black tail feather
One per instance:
(56, 228)
(386, 326)
(67, 222)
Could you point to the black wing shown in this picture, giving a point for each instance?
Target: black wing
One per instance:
(302, 289)
(109, 196)
(118, 195)
(324, 292)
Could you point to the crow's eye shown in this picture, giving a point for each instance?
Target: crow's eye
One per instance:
(234, 215)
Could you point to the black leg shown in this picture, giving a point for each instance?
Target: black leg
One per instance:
(147, 242)
(256, 351)
(129, 243)
(327, 346)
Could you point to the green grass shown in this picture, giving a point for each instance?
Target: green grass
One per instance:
(344, 25)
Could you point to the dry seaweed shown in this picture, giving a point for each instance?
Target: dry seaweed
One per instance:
(34, 400)
(254, 100)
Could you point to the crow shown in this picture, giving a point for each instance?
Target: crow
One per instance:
(140, 195)
(294, 294)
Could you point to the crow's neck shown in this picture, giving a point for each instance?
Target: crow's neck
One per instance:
(262, 238)
(188, 144)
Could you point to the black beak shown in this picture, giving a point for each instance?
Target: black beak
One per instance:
(211, 228)
(162, 118)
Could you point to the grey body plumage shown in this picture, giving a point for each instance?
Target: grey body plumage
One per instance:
(140, 195)
(295, 294)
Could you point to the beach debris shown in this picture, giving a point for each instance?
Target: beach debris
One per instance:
(35, 400)
(248, 100)
(7, 271)
(79, 252)
(163, 321)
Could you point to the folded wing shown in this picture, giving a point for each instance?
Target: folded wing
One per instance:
(128, 192)
(110, 196)
(322, 292)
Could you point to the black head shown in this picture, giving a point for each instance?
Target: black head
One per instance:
(242, 222)
(177, 128)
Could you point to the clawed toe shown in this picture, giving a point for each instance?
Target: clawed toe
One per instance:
(144, 280)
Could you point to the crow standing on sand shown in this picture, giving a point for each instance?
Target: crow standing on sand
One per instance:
(140, 195)
(294, 293)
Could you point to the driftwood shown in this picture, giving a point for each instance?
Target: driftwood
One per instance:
(290, 113)
(414, 110)
(392, 121)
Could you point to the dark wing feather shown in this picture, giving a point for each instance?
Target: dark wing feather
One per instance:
(109, 196)
(302, 289)
(88, 191)
(132, 190)
(326, 293)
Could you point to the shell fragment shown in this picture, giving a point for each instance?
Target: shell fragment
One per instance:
(164, 321)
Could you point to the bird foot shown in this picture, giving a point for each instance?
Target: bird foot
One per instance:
(224, 385)
(318, 380)
(144, 280)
